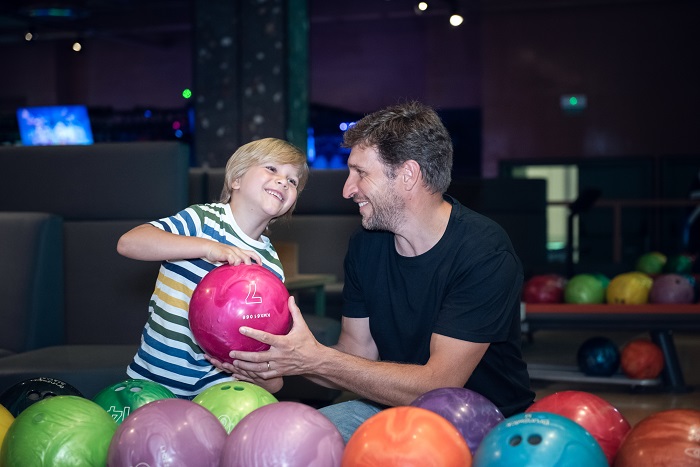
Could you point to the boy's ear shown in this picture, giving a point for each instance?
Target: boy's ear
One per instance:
(236, 184)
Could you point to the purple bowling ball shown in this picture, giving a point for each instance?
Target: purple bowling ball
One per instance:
(286, 433)
(168, 432)
(472, 414)
(671, 288)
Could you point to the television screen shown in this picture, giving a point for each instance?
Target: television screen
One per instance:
(54, 125)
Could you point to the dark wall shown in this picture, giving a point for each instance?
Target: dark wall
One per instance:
(634, 61)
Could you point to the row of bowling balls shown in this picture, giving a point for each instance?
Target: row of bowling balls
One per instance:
(447, 427)
(637, 358)
(564, 429)
(46, 422)
(655, 262)
(632, 288)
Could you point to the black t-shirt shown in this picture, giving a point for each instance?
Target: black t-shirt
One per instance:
(466, 287)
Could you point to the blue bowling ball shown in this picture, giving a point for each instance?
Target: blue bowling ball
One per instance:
(539, 439)
(598, 356)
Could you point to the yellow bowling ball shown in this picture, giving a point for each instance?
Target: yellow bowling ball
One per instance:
(6, 420)
(631, 288)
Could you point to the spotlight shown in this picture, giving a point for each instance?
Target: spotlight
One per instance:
(29, 36)
(422, 6)
(77, 46)
(456, 19)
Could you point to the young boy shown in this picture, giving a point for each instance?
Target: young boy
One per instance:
(263, 181)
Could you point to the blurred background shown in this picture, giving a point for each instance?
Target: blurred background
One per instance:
(595, 96)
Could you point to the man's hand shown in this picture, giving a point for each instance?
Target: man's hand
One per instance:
(291, 354)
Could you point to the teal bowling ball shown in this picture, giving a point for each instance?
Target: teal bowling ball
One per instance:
(598, 356)
(539, 438)
(120, 399)
(62, 431)
(231, 401)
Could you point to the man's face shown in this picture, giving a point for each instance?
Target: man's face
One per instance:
(381, 207)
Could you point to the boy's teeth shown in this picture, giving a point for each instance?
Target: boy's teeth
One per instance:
(276, 195)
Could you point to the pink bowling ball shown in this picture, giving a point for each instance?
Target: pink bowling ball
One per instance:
(168, 432)
(229, 297)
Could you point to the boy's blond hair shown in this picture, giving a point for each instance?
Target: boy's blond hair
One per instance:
(258, 152)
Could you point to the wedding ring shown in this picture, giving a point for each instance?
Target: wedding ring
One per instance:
(268, 366)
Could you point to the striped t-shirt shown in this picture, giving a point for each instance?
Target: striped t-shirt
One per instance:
(168, 353)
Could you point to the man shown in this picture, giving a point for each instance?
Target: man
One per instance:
(432, 289)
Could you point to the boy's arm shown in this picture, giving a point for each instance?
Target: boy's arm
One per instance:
(148, 243)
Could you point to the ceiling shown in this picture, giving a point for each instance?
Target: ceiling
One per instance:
(158, 21)
(146, 20)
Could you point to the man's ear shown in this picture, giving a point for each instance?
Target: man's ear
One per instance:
(410, 174)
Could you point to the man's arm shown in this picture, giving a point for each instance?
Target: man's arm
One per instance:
(352, 364)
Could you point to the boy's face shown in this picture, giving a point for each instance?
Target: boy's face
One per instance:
(270, 186)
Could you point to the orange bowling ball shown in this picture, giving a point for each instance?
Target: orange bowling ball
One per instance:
(408, 437)
(670, 437)
(641, 359)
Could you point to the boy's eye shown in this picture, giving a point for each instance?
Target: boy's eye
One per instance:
(293, 182)
(271, 168)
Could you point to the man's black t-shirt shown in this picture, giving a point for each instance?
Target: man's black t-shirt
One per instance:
(466, 287)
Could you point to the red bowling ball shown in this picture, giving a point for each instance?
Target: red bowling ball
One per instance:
(544, 288)
(600, 418)
(668, 438)
(229, 297)
(641, 359)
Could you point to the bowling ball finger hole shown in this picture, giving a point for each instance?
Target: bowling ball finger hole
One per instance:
(34, 396)
(136, 389)
(534, 439)
(515, 440)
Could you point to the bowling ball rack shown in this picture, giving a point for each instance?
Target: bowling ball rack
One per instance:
(660, 320)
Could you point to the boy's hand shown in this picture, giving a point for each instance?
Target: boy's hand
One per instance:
(220, 253)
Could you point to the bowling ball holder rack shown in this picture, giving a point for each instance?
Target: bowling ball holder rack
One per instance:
(660, 320)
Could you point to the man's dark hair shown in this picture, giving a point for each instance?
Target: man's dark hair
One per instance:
(404, 132)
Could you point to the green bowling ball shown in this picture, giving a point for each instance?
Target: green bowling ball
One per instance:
(652, 262)
(120, 399)
(62, 431)
(584, 288)
(231, 401)
(679, 264)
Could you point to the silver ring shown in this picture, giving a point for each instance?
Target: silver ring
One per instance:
(268, 366)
